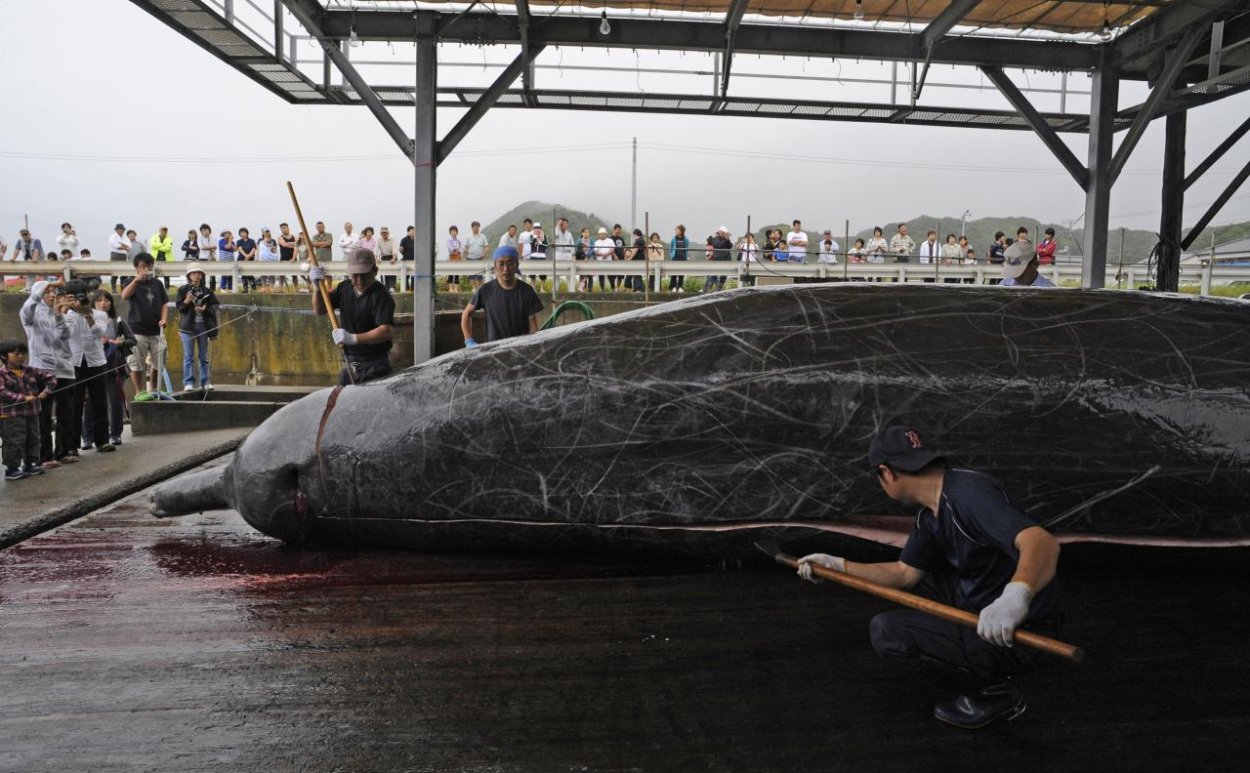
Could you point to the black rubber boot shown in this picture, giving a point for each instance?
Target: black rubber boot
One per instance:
(987, 705)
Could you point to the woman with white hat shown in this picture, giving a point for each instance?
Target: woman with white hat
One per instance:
(197, 325)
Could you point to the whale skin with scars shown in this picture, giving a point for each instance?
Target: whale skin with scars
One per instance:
(706, 422)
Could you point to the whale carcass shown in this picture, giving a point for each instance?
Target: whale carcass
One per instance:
(1117, 415)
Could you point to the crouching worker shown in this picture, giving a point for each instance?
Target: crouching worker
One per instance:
(972, 547)
(366, 312)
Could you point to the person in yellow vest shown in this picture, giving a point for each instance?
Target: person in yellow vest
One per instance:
(161, 245)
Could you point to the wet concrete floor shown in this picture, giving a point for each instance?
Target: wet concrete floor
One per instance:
(196, 644)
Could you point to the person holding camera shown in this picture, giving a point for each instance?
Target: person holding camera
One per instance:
(197, 325)
(147, 316)
(43, 320)
(87, 334)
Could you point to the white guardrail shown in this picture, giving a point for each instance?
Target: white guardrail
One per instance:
(658, 271)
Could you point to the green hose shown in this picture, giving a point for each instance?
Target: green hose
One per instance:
(578, 306)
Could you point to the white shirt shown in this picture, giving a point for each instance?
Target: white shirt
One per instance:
(475, 246)
(208, 247)
(604, 249)
(68, 242)
(507, 240)
(749, 252)
(828, 252)
(523, 243)
(797, 241)
(930, 251)
(84, 340)
(348, 244)
(564, 244)
(118, 243)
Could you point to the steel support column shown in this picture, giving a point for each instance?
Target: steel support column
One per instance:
(1105, 92)
(1173, 204)
(425, 174)
(1038, 122)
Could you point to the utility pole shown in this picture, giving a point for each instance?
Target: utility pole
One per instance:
(633, 190)
(963, 222)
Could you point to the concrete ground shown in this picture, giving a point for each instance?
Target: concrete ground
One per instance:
(196, 644)
(33, 505)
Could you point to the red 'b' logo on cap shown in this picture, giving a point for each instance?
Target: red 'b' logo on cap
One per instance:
(914, 438)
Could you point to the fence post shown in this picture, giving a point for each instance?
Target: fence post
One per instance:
(1206, 278)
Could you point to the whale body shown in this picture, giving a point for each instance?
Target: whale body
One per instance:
(1117, 415)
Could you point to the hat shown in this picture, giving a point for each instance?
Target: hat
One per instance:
(505, 252)
(361, 261)
(602, 230)
(902, 449)
(538, 225)
(1017, 257)
(119, 227)
(828, 232)
(722, 230)
(36, 290)
(192, 268)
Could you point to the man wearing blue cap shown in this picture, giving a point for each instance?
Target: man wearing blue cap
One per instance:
(974, 548)
(512, 307)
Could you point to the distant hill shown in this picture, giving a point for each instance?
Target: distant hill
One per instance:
(545, 213)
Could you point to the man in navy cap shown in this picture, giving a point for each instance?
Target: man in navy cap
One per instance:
(366, 316)
(512, 307)
(972, 547)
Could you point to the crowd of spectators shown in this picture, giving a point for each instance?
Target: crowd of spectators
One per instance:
(530, 239)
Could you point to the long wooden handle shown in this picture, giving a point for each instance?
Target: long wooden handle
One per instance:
(312, 255)
(935, 608)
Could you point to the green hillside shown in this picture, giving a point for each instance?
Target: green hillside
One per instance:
(545, 213)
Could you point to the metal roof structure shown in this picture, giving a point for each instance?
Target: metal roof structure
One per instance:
(1188, 53)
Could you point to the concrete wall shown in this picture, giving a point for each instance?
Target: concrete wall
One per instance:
(276, 339)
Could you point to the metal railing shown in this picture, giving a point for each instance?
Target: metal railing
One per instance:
(657, 273)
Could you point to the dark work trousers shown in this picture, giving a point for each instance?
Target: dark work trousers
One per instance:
(90, 386)
(944, 652)
(21, 440)
(360, 371)
(68, 421)
(113, 380)
(46, 449)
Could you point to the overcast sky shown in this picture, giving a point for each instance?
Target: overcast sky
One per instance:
(94, 90)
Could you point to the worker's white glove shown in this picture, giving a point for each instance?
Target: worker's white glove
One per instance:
(316, 273)
(342, 337)
(998, 621)
(836, 563)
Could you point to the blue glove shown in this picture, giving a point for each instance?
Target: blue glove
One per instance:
(342, 337)
(316, 273)
(469, 343)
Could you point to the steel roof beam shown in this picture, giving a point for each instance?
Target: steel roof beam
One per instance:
(487, 100)
(942, 24)
(1176, 60)
(732, 20)
(304, 13)
(523, 27)
(1048, 136)
(1149, 37)
(1216, 206)
(670, 34)
(1217, 154)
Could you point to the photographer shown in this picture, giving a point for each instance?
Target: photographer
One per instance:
(197, 325)
(87, 334)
